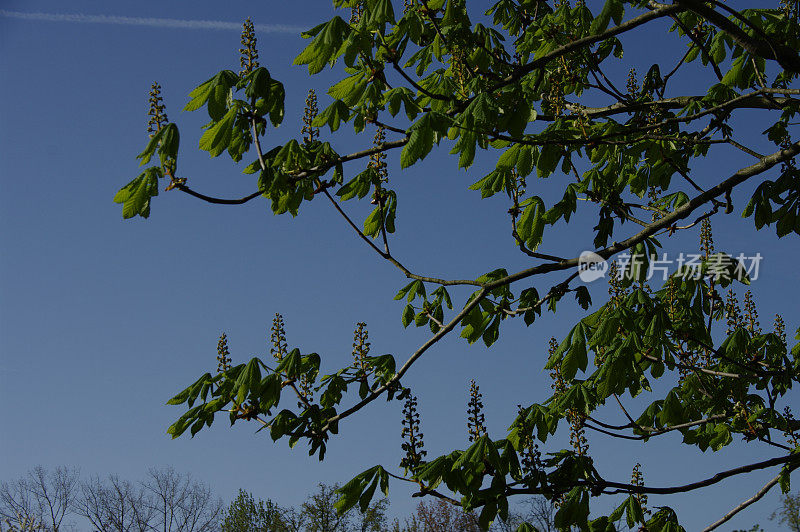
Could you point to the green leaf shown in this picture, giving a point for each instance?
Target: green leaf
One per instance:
(633, 512)
(415, 288)
(664, 520)
(525, 161)
(170, 140)
(579, 397)
(672, 410)
(361, 489)
(150, 149)
(530, 226)
(576, 356)
(493, 183)
(213, 92)
(258, 84)
(474, 455)
(291, 365)
(602, 524)
(248, 381)
(199, 96)
(333, 393)
(509, 157)
(390, 208)
(408, 315)
(574, 510)
(403, 291)
(275, 106)
(722, 437)
(381, 12)
(326, 45)
(189, 395)
(616, 515)
(253, 167)
(786, 472)
(333, 115)
(216, 138)
(291, 156)
(492, 332)
(283, 423)
(735, 77)
(180, 426)
(350, 89)
(359, 186)
(612, 9)
(373, 223)
(548, 159)
(420, 142)
(434, 471)
(394, 97)
(583, 297)
(135, 196)
(442, 293)
(385, 366)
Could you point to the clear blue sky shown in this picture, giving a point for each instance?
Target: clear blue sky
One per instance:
(102, 320)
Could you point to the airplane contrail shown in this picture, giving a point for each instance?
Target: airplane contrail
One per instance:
(147, 21)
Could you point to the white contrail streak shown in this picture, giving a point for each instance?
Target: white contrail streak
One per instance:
(150, 22)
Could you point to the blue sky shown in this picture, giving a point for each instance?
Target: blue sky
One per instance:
(102, 320)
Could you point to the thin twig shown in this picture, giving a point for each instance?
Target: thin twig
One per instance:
(745, 149)
(417, 85)
(627, 415)
(350, 222)
(387, 256)
(697, 368)
(697, 42)
(256, 140)
(299, 174)
(434, 320)
(759, 494)
(407, 365)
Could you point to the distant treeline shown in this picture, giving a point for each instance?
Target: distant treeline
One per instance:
(168, 501)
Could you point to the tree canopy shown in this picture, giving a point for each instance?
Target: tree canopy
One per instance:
(544, 91)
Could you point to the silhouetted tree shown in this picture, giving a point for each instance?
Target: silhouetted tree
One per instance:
(246, 514)
(789, 512)
(40, 499)
(115, 504)
(439, 515)
(181, 503)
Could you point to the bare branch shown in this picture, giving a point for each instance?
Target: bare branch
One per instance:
(760, 493)
(611, 488)
(298, 175)
(745, 149)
